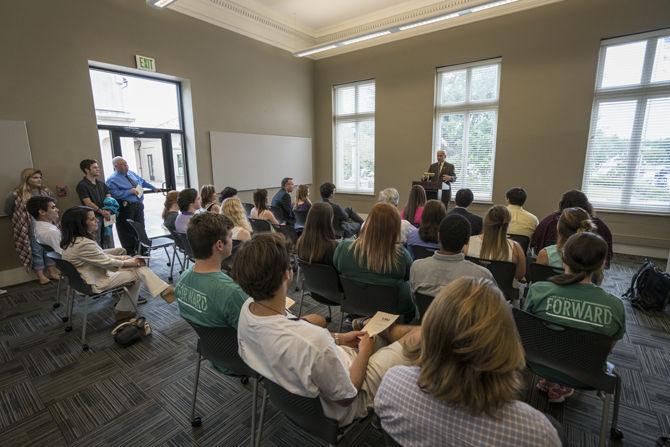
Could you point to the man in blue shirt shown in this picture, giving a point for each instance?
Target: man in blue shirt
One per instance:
(128, 189)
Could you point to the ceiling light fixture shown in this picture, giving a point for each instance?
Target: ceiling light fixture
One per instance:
(159, 3)
(396, 29)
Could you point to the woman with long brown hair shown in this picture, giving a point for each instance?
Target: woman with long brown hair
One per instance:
(376, 257)
(232, 208)
(317, 242)
(170, 210)
(208, 199)
(493, 244)
(414, 209)
(466, 378)
(427, 234)
(572, 220)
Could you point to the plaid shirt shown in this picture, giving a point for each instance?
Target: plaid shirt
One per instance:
(415, 418)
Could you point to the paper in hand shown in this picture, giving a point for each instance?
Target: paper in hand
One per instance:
(289, 302)
(379, 322)
(110, 221)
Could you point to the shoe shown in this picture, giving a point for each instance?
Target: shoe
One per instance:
(123, 315)
(141, 300)
(542, 385)
(358, 324)
(558, 393)
(168, 294)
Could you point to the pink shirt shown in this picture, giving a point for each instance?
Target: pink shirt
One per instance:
(417, 215)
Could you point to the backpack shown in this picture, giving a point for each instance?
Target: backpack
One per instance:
(650, 288)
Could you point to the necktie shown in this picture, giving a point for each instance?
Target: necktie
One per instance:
(132, 183)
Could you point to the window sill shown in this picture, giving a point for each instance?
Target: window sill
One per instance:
(633, 213)
(354, 193)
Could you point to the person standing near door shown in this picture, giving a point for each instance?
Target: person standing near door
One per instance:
(92, 193)
(444, 175)
(128, 189)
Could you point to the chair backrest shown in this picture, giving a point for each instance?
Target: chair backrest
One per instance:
(300, 217)
(419, 252)
(139, 232)
(322, 281)
(576, 353)
(288, 232)
(247, 208)
(422, 302)
(182, 242)
(366, 299)
(524, 241)
(227, 263)
(305, 412)
(503, 272)
(219, 344)
(71, 273)
(260, 225)
(540, 272)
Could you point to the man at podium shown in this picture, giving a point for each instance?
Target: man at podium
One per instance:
(443, 175)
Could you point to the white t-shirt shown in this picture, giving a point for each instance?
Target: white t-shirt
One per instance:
(300, 357)
(48, 234)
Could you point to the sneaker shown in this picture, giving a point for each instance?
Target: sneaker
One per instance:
(168, 294)
(141, 300)
(558, 393)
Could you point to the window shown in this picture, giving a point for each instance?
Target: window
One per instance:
(466, 120)
(628, 156)
(354, 137)
(150, 161)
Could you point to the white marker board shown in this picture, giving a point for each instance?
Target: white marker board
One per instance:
(16, 156)
(249, 161)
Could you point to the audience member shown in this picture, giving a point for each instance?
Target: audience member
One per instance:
(429, 275)
(493, 243)
(107, 269)
(545, 233)
(571, 299)
(92, 193)
(317, 242)
(464, 199)
(208, 199)
(27, 248)
(302, 358)
(302, 202)
(282, 201)
(427, 233)
(391, 195)
(376, 257)
(188, 201)
(128, 189)
(414, 208)
(260, 209)
(232, 208)
(43, 210)
(170, 210)
(522, 222)
(572, 220)
(466, 378)
(227, 193)
(346, 222)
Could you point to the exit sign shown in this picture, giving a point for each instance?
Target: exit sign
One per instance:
(145, 63)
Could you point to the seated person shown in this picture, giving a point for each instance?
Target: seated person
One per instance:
(376, 257)
(302, 202)
(427, 233)
(545, 233)
(208, 199)
(571, 299)
(44, 211)
(522, 222)
(429, 275)
(170, 210)
(282, 201)
(260, 209)
(189, 203)
(232, 208)
(415, 204)
(572, 220)
(227, 193)
(343, 370)
(493, 244)
(107, 269)
(317, 242)
(463, 385)
(464, 199)
(391, 195)
(346, 222)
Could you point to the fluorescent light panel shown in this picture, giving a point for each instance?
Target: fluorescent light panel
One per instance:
(366, 37)
(160, 3)
(429, 21)
(315, 50)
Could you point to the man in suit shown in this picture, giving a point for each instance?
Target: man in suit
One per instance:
(443, 174)
(282, 201)
(464, 199)
(346, 222)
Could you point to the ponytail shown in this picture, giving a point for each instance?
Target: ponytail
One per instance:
(584, 253)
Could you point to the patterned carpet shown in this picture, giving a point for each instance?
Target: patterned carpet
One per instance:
(52, 393)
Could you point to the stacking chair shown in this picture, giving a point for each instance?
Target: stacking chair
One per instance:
(184, 246)
(247, 209)
(227, 264)
(49, 249)
(422, 303)
(260, 225)
(145, 243)
(288, 232)
(540, 272)
(524, 241)
(366, 299)
(219, 345)
(321, 282)
(503, 272)
(76, 284)
(419, 252)
(575, 353)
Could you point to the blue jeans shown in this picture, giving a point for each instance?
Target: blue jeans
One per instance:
(40, 258)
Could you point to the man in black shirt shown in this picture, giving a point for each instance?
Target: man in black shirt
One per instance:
(92, 192)
(346, 222)
(464, 199)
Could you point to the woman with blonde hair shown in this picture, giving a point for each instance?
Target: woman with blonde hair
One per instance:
(30, 252)
(376, 257)
(572, 220)
(232, 208)
(302, 202)
(493, 244)
(466, 378)
(208, 199)
(170, 210)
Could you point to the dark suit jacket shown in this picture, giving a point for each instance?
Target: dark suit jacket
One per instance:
(447, 169)
(282, 201)
(475, 220)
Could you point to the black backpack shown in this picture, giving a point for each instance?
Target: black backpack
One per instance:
(650, 288)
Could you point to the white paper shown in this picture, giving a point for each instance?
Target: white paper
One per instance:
(379, 323)
(140, 191)
(445, 186)
(289, 302)
(110, 221)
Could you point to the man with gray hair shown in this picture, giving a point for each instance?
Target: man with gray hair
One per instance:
(391, 195)
(128, 189)
(443, 174)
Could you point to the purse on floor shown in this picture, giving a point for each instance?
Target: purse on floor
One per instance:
(132, 331)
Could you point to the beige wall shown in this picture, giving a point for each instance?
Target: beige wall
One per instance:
(549, 57)
(237, 84)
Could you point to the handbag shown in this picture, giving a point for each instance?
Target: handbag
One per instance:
(132, 331)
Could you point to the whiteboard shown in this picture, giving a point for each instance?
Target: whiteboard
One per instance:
(249, 161)
(16, 156)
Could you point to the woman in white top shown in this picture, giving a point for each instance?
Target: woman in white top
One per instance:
(232, 208)
(260, 209)
(493, 244)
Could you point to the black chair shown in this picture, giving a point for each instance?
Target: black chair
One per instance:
(419, 252)
(524, 241)
(503, 272)
(182, 243)
(575, 353)
(76, 284)
(422, 303)
(227, 264)
(322, 283)
(540, 272)
(49, 249)
(219, 345)
(147, 244)
(260, 225)
(366, 299)
(278, 213)
(288, 232)
(300, 218)
(247, 209)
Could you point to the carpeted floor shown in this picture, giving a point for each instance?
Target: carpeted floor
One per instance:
(52, 393)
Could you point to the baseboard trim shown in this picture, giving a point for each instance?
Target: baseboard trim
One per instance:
(639, 250)
(15, 276)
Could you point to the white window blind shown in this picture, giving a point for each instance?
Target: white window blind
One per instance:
(354, 137)
(628, 156)
(466, 120)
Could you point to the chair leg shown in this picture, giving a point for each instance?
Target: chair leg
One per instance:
(84, 346)
(330, 315)
(302, 297)
(603, 421)
(68, 310)
(297, 279)
(260, 418)
(56, 305)
(615, 433)
(196, 421)
(167, 255)
(341, 319)
(254, 403)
